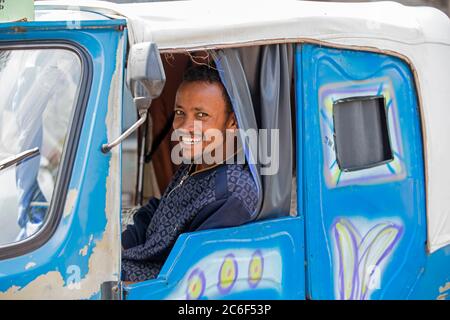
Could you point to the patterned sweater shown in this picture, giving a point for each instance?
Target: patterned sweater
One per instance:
(223, 196)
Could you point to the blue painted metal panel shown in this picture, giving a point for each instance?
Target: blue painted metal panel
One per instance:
(365, 230)
(261, 260)
(22, 27)
(61, 258)
(434, 279)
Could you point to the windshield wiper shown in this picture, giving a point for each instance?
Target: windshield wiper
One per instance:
(10, 161)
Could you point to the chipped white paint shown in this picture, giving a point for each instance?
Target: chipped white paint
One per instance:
(83, 251)
(442, 296)
(113, 205)
(104, 262)
(444, 291)
(70, 202)
(44, 286)
(30, 265)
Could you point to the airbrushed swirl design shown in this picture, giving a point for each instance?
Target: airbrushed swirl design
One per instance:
(359, 257)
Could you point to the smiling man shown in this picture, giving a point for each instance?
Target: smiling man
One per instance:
(203, 194)
(203, 117)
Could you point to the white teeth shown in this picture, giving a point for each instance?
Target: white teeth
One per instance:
(188, 140)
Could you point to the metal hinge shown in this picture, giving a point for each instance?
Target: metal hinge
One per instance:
(111, 290)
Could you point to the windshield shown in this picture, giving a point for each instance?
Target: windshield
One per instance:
(38, 89)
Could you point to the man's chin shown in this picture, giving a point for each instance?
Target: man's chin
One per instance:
(193, 155)
(188, 158)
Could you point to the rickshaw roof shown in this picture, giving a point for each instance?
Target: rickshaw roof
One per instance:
(418, 35)
(197, 24)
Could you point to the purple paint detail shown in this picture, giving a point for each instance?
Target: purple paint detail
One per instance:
(356, 280)
(365, 179)
(390, 225)
(386, 252)
(356, 292)
(201, 275)
(396, 130)
(353, 227)
(359, 89)
(341, 266)
(256, 254)
(354, 243)
(225, 290)
(341, 90)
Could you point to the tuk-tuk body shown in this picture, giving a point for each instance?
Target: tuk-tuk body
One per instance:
(375, 233)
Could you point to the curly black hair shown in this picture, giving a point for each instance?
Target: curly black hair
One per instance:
(208, 74)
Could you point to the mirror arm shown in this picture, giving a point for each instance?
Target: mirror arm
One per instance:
(8, 162)
(108, 146)
(145, 79)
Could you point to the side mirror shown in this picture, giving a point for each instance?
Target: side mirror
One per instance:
(145, 79)
(145, 74)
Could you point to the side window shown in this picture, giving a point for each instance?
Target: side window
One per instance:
(39, 89)
(360, 128)
(361, 133)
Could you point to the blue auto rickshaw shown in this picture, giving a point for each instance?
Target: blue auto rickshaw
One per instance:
(358, 207)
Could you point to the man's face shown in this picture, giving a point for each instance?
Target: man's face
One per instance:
(199, 107)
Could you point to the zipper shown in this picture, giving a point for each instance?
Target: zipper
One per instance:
(216, 165)
(187, 175)
(183, 179)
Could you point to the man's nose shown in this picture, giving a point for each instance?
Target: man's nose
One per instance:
(191, 126)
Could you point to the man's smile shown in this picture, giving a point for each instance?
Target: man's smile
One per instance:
(187, 140)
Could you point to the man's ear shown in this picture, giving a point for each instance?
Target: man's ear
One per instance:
(231, 121)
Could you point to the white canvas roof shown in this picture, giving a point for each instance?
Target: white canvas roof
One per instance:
(419, 34)
(191, 24)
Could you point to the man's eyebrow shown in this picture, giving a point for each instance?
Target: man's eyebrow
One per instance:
(196, 109)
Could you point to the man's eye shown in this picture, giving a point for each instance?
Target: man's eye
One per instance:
(179, 112)
(202, 115)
